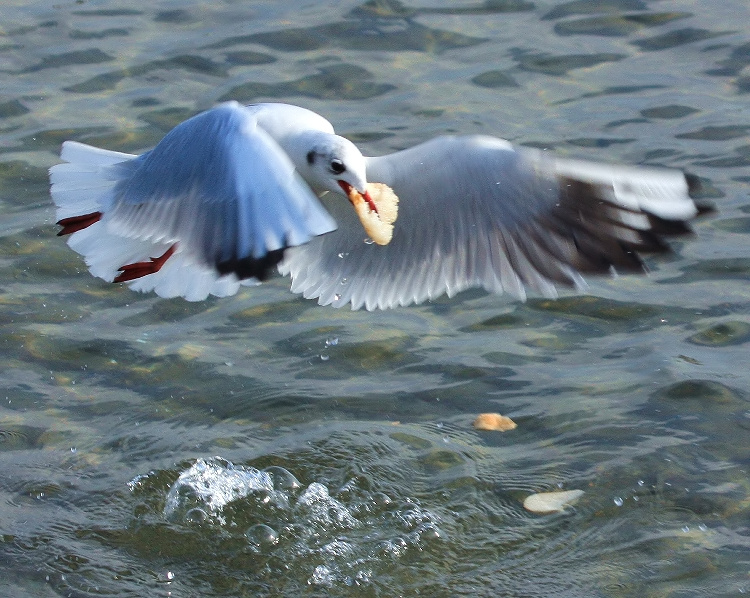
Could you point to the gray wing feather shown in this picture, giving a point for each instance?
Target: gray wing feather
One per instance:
(221, 187)
(475, 212)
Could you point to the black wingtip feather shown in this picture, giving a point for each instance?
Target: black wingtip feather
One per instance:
(251, 267)
(693, 182)
(601, 236)
(695, 187)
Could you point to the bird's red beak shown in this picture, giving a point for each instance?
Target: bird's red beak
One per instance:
(348, 190)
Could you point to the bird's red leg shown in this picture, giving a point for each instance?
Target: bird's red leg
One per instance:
(75, 223)
(140, 269)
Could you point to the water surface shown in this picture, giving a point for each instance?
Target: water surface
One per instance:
(260, 445)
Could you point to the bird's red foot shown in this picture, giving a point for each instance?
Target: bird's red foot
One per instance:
(140, 269)
(75, 223)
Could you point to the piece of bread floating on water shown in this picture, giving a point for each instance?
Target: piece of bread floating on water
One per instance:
(378, 218)
(551, 502)
(494, 421)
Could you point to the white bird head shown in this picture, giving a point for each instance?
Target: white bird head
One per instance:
(333, 163)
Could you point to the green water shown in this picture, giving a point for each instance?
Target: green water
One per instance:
(636, 394)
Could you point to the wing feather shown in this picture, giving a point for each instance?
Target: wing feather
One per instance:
(475, 212)
(222, 188)
(218, 186)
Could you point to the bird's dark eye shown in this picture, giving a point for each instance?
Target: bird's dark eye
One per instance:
(311, 157)
(337, 166)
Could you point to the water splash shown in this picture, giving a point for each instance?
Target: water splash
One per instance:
(340, 537)
(214, 483)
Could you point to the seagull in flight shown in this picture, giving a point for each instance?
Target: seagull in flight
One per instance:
(237, 192)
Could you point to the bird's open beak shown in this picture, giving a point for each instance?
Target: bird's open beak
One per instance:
(347, 188)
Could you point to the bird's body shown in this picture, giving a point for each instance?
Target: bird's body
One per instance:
(215, 203)
(228, 194)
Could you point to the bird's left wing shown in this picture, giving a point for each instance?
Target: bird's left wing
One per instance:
(475, 212)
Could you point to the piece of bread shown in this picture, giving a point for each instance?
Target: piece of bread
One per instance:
(494, 421)
(377, 222)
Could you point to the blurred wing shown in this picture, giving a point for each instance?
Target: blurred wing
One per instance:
(223, 190)
(475, 212)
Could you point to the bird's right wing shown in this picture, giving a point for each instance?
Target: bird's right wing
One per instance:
(217, 195)
(222, 189)
(476, 212)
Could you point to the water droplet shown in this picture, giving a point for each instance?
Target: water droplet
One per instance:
(343, 254)
(686, 528)
(322, 576)
(381, 499)
(618, 501)
(702, 527)
(324, 357)
(641, 482)
(344, 281)
(282, 479)
(369, 241)
(261, 536)
(196, 515)
(337, 297)
(428, 531)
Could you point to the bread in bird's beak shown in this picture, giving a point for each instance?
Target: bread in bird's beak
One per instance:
(377, 210)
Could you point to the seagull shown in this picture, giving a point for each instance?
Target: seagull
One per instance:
(237, 192)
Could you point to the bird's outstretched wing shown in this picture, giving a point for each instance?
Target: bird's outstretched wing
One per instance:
(222, 187)
(475, 212)
(217, 199)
